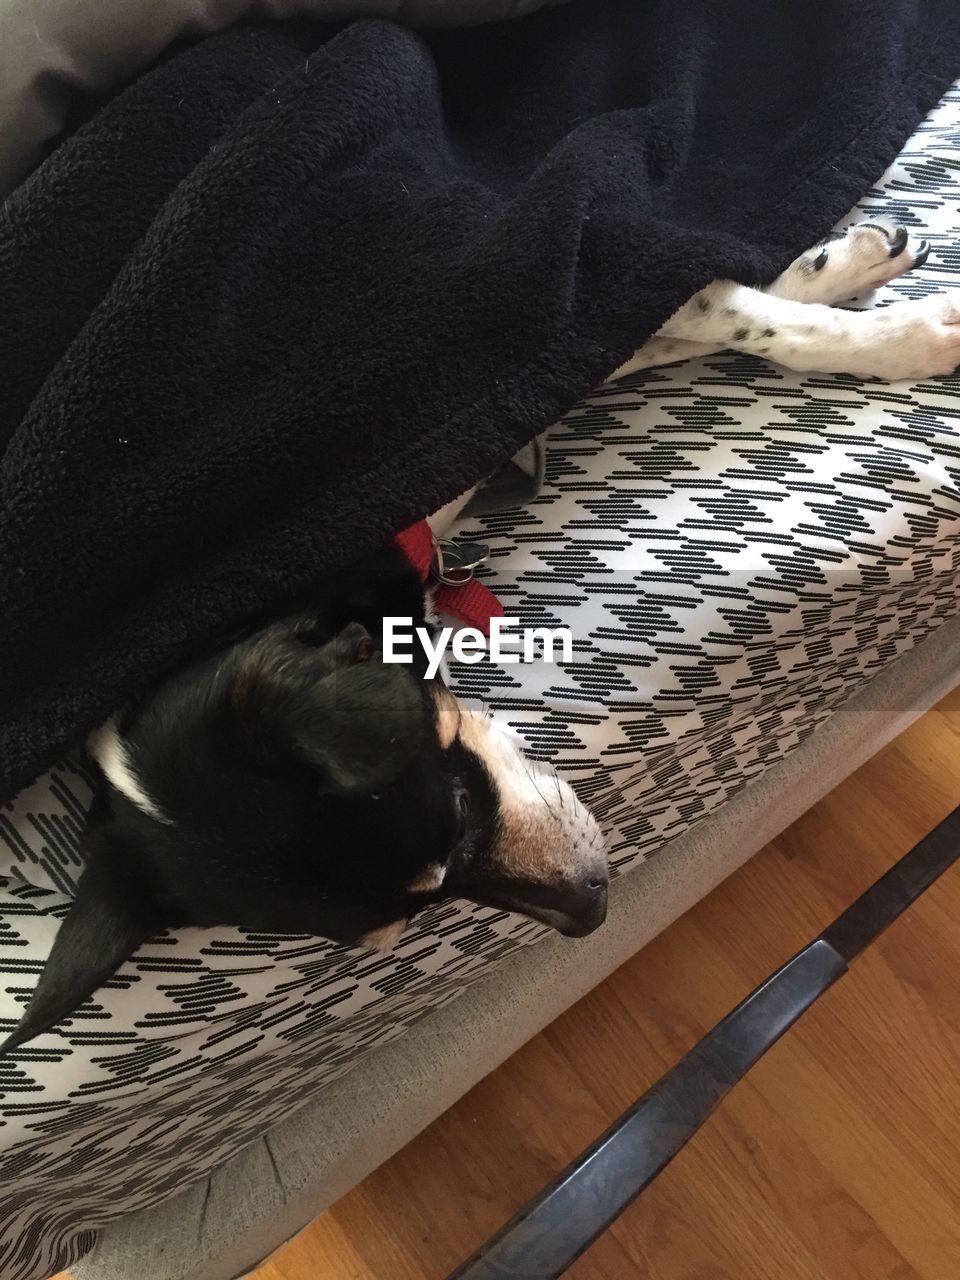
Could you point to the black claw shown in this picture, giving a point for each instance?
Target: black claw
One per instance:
(820, 261)
(899, 242)
(922, 254)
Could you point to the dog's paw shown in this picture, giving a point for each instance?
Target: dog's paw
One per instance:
(908, 340)
(852, 262)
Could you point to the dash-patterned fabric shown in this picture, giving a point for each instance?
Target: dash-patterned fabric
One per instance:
(736, 549)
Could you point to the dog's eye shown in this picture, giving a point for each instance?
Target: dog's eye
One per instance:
(461, 799)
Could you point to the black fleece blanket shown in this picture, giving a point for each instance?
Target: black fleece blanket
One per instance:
(300, 285)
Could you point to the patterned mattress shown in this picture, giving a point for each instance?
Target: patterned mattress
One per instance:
(735, 548)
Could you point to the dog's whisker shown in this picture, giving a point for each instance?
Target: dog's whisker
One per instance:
(563, 803)
(536, 777)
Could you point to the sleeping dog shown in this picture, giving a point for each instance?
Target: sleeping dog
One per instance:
(291, 781)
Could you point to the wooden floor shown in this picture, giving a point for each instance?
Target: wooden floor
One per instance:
(838, 1158)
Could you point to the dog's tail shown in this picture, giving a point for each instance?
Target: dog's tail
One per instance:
(112, 914)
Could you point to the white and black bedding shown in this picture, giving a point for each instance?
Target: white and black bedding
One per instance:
(736, 549)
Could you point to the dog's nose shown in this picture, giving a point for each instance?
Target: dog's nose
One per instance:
(582, 907)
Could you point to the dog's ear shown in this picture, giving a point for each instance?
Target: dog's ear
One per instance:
(355, 719)
(112, 914)
(363, 721)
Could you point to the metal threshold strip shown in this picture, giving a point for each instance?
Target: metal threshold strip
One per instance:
(563, 1220)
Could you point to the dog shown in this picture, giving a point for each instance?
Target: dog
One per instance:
(291, 781)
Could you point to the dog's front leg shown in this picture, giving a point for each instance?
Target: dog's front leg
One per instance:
(789, 324)
(905, 340)
(659, 350)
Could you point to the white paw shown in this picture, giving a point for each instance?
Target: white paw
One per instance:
(856, 261)
(906, 340)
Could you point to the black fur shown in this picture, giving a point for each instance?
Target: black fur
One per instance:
(300, 785)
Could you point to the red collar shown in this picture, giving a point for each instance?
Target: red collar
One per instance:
(469, 602)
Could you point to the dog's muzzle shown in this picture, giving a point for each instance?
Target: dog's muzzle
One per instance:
(575, 907)
(548, 858)
(584, 908)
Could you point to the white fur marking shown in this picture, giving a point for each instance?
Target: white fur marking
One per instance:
(432, 877)
(793, 323)
(110, 752)
(546, 833)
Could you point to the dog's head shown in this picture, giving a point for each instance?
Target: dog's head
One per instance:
(295, 783)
